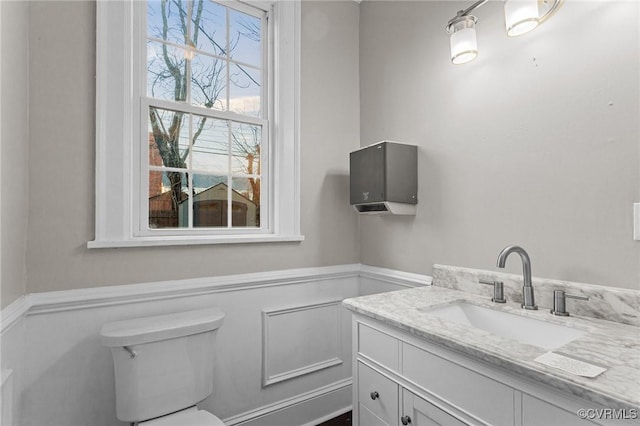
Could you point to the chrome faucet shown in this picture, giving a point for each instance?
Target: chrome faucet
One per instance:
(528, 301)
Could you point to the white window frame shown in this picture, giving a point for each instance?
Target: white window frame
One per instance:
(119, 106)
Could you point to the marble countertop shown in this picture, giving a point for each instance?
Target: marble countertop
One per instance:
(608, 344)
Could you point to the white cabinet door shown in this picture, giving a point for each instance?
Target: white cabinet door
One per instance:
(418, 412)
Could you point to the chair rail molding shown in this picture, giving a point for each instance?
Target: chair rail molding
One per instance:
(66, 300)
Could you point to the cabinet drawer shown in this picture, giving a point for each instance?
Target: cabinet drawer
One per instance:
(378, 346)
(384, 404)
(476, 394)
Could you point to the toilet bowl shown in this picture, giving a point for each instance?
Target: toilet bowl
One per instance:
(164, 366)
(189, 417)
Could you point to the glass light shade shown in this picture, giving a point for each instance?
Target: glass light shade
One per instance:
(521, 16)
(464, 45)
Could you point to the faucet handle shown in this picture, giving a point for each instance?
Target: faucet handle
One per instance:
(560, 302)
(498, 290)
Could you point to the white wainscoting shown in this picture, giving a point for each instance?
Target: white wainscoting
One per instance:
(63, 376)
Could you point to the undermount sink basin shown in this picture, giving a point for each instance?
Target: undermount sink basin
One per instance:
(523, 329)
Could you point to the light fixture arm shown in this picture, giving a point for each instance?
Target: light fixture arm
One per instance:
(462, 13)
(472, 8)
(544, 4)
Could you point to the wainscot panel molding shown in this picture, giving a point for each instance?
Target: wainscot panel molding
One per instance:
(300, 340)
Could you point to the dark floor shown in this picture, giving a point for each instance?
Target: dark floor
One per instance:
(343, 420)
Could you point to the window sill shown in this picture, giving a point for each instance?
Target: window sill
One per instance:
(201, 240)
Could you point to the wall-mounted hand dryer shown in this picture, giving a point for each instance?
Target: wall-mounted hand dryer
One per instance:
(384, 178)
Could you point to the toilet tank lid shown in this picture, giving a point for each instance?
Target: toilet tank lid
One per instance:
(137, 331)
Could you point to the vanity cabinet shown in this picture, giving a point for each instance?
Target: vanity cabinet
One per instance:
(400, 379)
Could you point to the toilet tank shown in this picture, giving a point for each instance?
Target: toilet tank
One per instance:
(162, 363)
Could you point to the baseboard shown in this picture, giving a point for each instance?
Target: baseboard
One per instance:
(307, 409)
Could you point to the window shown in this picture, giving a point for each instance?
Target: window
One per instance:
(206, 126)
(197, 122)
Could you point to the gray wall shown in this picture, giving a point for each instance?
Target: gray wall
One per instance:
(535, 143)
(61, 159)
(14, 128)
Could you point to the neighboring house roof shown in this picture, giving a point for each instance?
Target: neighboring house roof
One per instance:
(215, 187)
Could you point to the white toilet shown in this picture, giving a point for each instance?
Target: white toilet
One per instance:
(164, 366)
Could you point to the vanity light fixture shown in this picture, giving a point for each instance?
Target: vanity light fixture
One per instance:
(520, 17)
(464, 45)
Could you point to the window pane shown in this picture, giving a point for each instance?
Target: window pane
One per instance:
(209, 150)
(166, 72)
(245, 209)
(210, 201)
(245, 148)
(167, 20)
(210, 145)
(170, 132)
(245, 32)
(209, 27)
(244, 90)
(208, 82)
(168, 200)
